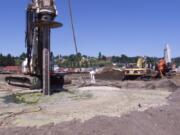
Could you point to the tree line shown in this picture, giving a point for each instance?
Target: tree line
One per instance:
(80, 60)
(9, 60)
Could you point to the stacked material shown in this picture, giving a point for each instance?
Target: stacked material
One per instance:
(110, 74)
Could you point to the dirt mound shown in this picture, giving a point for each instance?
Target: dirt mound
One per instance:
(110, 74)
(155, 84)
(166, 84)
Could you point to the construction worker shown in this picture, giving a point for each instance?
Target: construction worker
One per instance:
(92, 76)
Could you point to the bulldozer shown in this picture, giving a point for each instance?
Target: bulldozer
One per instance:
(138, 71)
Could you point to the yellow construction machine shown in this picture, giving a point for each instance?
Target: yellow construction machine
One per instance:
(138, 71)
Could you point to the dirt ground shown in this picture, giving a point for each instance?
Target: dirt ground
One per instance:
(106, 108)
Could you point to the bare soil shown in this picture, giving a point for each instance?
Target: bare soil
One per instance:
(159, 121)
(106, 108)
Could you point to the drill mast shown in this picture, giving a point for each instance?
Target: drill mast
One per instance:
(40, 17)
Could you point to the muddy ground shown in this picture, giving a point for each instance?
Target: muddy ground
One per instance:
(106, 108)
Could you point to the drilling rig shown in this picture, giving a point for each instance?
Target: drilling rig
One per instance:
(37, 68)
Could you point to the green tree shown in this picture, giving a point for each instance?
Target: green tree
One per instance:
(23, 56)
(99, 55)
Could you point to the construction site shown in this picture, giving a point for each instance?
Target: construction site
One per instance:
(92, 96)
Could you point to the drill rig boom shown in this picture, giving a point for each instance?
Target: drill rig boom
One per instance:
(40, 16)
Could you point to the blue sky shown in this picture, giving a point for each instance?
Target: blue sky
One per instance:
(113, 27)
